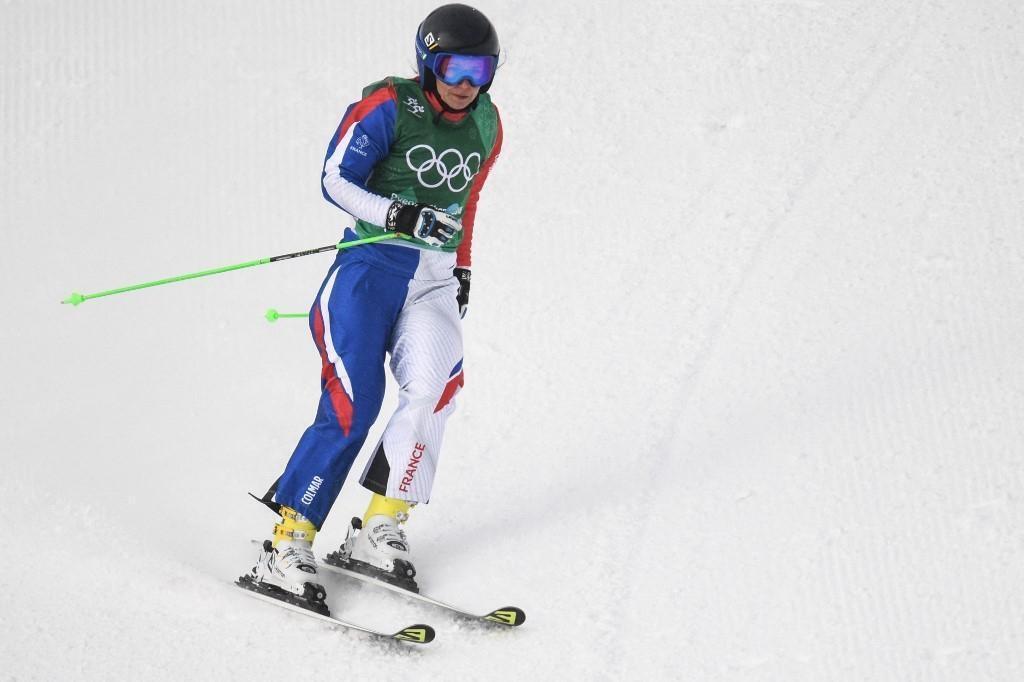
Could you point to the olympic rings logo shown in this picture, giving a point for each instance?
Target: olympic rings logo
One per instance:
(447, 167)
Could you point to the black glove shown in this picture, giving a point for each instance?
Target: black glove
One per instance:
(422, 221)
(463, 274)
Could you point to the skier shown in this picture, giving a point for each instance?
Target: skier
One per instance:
(410, 158)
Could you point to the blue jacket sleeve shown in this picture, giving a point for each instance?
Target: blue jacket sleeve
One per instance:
(362, 140)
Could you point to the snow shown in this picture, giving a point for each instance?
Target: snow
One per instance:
(744, 387)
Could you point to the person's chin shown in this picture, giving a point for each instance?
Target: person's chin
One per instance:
(460, 103)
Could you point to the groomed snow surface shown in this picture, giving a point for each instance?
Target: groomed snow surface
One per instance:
(744, 373)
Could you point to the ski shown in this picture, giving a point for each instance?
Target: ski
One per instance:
(415, 634)
(511, 616)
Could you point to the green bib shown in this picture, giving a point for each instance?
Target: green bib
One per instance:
(431, 162)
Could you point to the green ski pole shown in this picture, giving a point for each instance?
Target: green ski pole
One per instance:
(77, 298)
(273, 316)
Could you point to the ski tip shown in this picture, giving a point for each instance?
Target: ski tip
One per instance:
(418, 634)
(509, 615)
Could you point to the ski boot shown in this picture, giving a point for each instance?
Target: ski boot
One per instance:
(377, 547)
(286, 567)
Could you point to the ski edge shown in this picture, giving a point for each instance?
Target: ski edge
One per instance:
(419, 633)
(509, 616)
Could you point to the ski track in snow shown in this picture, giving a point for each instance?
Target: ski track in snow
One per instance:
(877, 66)
(742, 404)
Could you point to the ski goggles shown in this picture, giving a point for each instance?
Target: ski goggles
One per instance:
(452, 69)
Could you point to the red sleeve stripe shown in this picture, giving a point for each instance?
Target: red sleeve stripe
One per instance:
(464, 254)
(363, 107)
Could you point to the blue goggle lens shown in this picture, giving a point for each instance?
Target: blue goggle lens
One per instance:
(455, 68)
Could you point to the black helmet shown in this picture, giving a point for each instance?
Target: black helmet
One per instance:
(453, 29)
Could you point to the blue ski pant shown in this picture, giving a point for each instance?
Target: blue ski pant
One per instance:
(379, 300)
